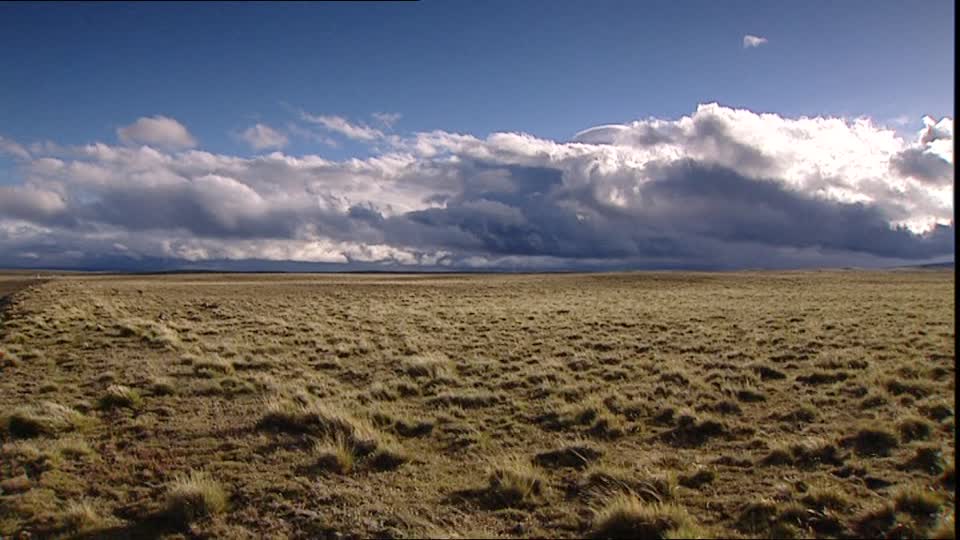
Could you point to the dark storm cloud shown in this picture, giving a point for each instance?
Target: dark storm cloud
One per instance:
(924, 166)
(688, 205)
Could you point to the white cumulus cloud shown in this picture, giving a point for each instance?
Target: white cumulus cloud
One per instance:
(159, 131)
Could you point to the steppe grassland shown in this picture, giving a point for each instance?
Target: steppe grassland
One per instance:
(619, 405)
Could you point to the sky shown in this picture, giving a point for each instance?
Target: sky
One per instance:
(476, 135)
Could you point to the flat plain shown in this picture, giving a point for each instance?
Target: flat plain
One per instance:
(633, 405)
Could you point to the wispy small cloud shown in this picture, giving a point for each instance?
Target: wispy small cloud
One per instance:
(344, 127)
(387, 120)
(296, 130)
(751, 41)
(901, 120)
(13, 148)
(261, 136)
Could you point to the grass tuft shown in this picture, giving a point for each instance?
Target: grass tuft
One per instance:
(119, 396)
(514, 482)
(193, 496)
(873, 440)
(825, 498)
(757, 516)
(45, 418)
(576, 455)
(949, 477)
(335, 454)
(918, 502)
(433, 365)
(625, 516)
(914, 428)
(927, 458)
(698, 479)
(315, 418)
(81, 517)
(212, 366)
(162, 386)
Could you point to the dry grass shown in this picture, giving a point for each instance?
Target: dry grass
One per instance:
(913, 428)
(625, 516)
(874, 439)
(513, 481)
(335, 454)
(433, 365)
(559, 406)
(44, 418)
(81, 516)
(920, 503)
(194, 496)
(119, 396)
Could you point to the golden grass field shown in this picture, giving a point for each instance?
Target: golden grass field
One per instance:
(636, 405)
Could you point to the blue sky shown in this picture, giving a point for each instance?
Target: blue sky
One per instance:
(546, 68)
(180, 76)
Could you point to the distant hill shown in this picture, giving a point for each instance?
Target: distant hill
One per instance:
(950, 265)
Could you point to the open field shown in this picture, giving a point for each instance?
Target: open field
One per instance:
(613, 405)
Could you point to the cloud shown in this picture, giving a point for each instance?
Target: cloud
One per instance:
(299, 131)
(930, 158)
(261, 136)
(340, 125)
(901, 120)
(923, 165)
(12, 148)
(158, 131)
(387, 120)
(30, 203)
(751, 41)
(720, 188)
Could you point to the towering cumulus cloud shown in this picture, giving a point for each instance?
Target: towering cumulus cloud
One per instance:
(721, 188)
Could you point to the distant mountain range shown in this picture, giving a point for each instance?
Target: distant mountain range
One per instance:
(156, 265)
(934, 266)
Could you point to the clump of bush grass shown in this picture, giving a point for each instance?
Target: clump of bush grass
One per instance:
(44, 418)
(872, 440)
(212, 366)
(914, 428)
(807, 453)
(433, 365)
(515, 482)
(918, 502)
(335, 454)
(162, 386)
(119, 396)
(696, 479)
(342, 433)
(757, 516)
(81, 517)
(625, 516)
(927, 458)
(193, 496)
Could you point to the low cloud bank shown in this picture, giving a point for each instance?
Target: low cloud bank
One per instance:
(721, 188)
